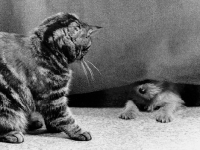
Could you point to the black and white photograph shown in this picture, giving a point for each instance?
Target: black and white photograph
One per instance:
(99, 74)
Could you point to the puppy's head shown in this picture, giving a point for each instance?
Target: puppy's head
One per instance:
(145, 94)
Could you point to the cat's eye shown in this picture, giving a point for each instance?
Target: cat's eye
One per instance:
(142, 90)
(76, 28)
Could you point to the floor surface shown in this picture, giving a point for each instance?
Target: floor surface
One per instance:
(111, 133)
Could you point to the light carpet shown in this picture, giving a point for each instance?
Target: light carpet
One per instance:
(111, 133)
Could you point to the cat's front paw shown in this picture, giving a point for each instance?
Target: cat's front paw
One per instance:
(127, 115)
(12, 137)
(164, 118)
(81, 136)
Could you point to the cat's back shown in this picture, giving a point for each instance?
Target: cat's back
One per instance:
(11, 41)
(14, 47)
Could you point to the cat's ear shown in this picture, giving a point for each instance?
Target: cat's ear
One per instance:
(74, 15)
(93, 30)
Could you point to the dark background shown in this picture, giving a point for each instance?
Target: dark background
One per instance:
(140, 39)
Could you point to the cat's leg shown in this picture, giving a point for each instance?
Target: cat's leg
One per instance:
(52, 129)
(131, 111)
(15, 105)
(12, 125)
(57, 116)
(169, 103)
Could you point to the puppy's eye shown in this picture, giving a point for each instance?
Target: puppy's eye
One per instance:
(142, 90)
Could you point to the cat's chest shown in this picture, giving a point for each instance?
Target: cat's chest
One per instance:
(47, 81)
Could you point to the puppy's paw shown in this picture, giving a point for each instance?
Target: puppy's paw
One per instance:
(127, 115)
(150, 108)
(164, 117)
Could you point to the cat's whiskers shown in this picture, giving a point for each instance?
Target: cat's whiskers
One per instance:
(91, 73)
(85, 71)
(94, 66)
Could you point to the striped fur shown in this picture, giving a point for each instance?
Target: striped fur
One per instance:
(35, 76)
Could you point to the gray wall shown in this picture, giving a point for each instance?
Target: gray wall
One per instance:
(156, 39)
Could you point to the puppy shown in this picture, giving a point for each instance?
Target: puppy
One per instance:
(151, 95)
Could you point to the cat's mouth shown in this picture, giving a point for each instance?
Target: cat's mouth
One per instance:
(80, 57)
(82, 53)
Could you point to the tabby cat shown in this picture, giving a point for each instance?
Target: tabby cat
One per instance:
(35, 76)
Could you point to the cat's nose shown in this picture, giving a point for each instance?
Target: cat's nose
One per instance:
(84, 53)
(79, 57)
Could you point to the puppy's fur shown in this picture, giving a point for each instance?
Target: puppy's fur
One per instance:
(151, 95)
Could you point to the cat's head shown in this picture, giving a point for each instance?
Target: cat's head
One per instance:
(66, 34)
